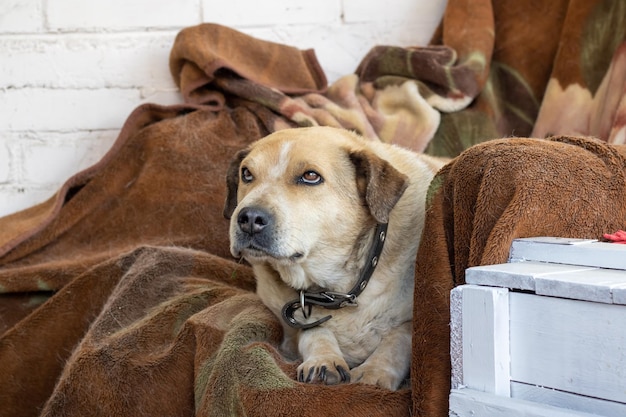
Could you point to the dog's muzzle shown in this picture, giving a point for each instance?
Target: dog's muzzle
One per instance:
(255, 233)
(253, 220)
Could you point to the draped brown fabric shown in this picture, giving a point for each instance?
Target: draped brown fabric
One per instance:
(491, 194)
(118, 296)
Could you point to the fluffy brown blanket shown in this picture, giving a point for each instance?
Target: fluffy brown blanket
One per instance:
(118, 295)
(491, 194)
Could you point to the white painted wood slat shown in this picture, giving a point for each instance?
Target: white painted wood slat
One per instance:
(485, 330)
(562, 399)
(569, 345)
(599, 285)
(569, 251)
(558, 280)
(471, 403)
(564, 303)
(519, 275)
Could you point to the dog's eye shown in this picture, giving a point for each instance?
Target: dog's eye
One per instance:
(311, 178)
(246, 175)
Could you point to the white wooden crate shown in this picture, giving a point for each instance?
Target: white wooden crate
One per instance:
(543, 335)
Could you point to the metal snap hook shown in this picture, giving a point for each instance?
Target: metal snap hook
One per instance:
(289, 310)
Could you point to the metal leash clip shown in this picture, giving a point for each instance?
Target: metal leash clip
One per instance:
(327, 299)
(344, 300)
(335, 300)
(290, 309)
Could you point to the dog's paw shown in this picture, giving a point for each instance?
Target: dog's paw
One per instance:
(330, 370)
(370, 375)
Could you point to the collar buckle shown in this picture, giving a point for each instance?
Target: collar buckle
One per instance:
(335, 300)
(344, 300)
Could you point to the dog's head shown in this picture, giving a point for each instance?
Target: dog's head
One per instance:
(307, 193)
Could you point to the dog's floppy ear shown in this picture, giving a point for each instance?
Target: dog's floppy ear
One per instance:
(232, 183)
(379, 182)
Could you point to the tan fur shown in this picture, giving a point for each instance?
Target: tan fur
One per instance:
(318, 236)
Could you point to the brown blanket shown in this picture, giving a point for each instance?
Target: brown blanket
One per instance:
(493, 69)
(491, 194)
(125, 300)
(542, 68)
(118, 295)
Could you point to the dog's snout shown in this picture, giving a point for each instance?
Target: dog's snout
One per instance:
(253, 220)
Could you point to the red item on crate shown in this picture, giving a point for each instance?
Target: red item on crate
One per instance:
(617, 237)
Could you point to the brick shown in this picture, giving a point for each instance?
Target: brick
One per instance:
(50, 109)
(42, 161)
(53, 160)
(87, 60)
(400, 10)
(20, 16)
(121, 14)
(242, 13)
(45, 164)
(13, 199)
(5, 162)
(341, 47)
(401, 33)
(338, 48)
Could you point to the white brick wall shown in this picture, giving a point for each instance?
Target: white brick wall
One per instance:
(72, 70)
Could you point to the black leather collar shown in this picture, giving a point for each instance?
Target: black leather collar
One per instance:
(333, 300)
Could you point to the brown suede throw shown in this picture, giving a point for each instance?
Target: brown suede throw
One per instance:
(200, 53)
(125, 301)
(118, 296)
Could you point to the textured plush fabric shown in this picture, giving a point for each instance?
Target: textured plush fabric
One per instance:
(478, 203)
(118, 296)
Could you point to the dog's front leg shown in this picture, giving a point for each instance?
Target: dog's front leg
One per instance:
(322, 358)
(389, 364)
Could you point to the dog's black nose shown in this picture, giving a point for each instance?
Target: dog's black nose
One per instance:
(252, 220)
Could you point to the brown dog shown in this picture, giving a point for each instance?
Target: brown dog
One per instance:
(330, 223)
